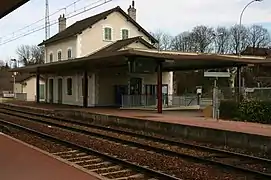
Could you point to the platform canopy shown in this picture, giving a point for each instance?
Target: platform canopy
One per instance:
(171, 61)
(7, 6)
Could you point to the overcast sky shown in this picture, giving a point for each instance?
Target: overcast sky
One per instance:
(172, 16)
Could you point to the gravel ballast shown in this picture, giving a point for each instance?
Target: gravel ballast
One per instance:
(172, 165)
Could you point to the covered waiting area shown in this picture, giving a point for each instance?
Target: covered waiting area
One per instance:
(143, 61)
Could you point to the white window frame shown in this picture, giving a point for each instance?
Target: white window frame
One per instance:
(69, 49)
(66, 84)
(112, 39)
(59, 51)
(51, 52)
(121, 35)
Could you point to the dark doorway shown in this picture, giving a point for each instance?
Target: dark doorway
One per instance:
(135, 86)
(120, 92)
(60, 91)
(51, 91)
(151, 94)
(135, 92)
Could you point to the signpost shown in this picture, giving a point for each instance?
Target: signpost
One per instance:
(216, 75)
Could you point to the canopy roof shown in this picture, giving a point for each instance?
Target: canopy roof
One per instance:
(7, 6)
(172, 61)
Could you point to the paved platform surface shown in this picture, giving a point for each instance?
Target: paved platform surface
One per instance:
(177, 117)
(21, 162)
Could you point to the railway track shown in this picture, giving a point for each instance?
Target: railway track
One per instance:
(106, 166)
(249, 164)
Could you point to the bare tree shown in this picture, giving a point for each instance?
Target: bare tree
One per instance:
(222, 40)
(29, 55)
(258, 37)
(202, 37)
(182, 42)
(164, 40)
(237, 39)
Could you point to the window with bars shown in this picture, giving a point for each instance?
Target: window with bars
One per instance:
(51, 57)
(69, 53)
(59, 55)
(69, 86)
(125, 33)
(108, 34)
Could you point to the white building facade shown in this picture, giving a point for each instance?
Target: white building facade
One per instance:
(106, 87)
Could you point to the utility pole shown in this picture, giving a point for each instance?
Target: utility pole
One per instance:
(47, 20)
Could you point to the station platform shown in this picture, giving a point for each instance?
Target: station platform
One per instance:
(189, 118)
(22, 161)
(186, 124)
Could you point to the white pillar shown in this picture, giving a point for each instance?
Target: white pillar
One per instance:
(170, 87)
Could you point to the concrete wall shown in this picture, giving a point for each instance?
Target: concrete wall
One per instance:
(18, 88)
(63, 46)
(29, 88)
(91, 39)
(106, 80)
(251, 142)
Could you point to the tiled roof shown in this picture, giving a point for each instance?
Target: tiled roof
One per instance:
(122, 44)
(23, 77)
(257, 51)
(80, 26)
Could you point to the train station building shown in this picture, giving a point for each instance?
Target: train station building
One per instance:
(110, 60)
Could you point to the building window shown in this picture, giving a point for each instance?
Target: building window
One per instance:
(69, 53)
(69, 86)
(125, 33)
(108, 34)
(59, 55)
(51, 58)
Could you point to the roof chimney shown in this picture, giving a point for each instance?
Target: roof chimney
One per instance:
(132, 11)
(61, 23)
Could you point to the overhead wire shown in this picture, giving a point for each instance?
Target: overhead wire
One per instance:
(56, 21)
(25, 27)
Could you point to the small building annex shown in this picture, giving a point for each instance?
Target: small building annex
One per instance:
(108, 31)
(25, 87)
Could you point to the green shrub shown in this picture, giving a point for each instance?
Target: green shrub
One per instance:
(228, 109)
(255, 111)
(247, 110)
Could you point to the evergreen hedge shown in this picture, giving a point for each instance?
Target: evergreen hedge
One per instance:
(247, 110)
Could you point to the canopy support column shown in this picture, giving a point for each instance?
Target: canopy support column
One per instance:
(37, 86)
(85, 89)
(239, 83)
(159, 88)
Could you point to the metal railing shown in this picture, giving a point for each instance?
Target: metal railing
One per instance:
(133, 101)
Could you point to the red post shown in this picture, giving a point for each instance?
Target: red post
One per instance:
(38, 86)
(159, 88)
(85, 89)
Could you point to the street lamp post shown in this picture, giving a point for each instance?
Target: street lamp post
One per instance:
(239, 43)
(240, 24)
(14, 77)
(14, 82)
